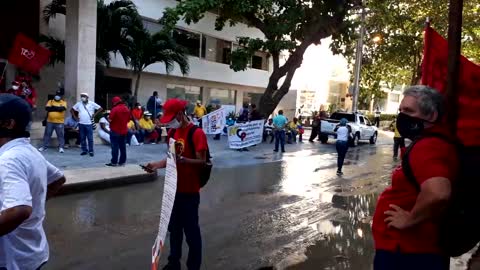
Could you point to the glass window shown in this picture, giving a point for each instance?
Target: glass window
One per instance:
(338, 115)
(260, 61)
(190, 93)
(362, 120)
(367, 121)
(394, 97)
(221, 96)
(216, 50)
(189, 40)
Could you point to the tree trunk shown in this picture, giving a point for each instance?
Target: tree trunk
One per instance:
(137, 85)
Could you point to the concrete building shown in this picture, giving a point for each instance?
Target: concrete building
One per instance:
(391, 102)
(210, 78)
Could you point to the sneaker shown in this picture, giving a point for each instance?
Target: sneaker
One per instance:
(111, 165)
(41, 149)
(246, 150)
(339, 173)
(60, 150)
(141, 143)
(275, 150)
(91, 154)
(83, 154)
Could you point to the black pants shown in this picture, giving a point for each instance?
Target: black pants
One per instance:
(314, 134)
(72, 134)
(388, 260)
(397, 143)
(118, 143)
(377, 121)
(184, 219)
(268, 134)
(342, 148)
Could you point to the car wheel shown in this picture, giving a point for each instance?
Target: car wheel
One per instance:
(373, 139)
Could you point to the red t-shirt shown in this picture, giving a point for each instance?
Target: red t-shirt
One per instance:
(430, 157)
(137, 113)
(119, 118)
(188, 175)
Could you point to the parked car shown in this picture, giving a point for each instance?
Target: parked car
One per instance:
(362, 128)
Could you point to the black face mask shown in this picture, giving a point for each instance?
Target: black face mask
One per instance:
(409, 127)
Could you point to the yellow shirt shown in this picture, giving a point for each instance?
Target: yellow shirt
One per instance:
(146, 124)
(56, 117)
(292, 126)
(397, 134)
(199, 111)
(131, 124)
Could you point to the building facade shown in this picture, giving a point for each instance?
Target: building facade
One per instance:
(210, 78)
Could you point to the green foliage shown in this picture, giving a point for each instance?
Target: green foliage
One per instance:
(56, 47)
(383, 117)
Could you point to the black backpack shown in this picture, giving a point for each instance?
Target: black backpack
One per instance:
(459, 226)
(206, 170)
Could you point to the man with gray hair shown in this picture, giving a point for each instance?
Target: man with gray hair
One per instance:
(406, 225)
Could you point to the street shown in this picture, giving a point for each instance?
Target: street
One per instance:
(290, 213)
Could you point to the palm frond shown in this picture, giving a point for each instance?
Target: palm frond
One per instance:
(56, 47)
(54, 8)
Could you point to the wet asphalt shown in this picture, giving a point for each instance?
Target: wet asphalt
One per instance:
(287, 212)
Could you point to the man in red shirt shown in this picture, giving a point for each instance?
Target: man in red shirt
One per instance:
(184, 217)
(406, 225)
(119, 118)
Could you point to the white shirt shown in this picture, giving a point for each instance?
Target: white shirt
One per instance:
(24, 176)
(104, 120)
(342, 133)
(83, 115)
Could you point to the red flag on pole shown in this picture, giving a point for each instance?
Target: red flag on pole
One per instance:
(434, 74)
(28, 55)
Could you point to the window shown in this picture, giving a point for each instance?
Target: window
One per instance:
(394, 97)
(260, 61)
(349, 116)
(189, 40)
(216, 50)
(186, 92)
(252, 98)
(362, 120)
(367, 122)
(221, 96)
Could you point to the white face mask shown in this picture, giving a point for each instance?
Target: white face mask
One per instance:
(15, 87)
(84, 99)
(174, 124)
(57, 98)
(140, 107)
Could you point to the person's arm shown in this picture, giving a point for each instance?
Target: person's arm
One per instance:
(74, 113)
(153, 166)
(55, 180)
(11, 218)
(104, 128)
(200, 158)
(48, 107)
(99, 110)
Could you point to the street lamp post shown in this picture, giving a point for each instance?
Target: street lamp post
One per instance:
(358, 63)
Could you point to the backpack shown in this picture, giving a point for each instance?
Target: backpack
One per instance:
(459, 225)
(206, 170)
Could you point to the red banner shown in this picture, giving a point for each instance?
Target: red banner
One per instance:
(434, 74)
(28, 55)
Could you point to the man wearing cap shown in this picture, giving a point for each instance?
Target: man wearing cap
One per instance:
(119, 118)
(26, 181)
(190, 159)
(86, 111)
(55, 108)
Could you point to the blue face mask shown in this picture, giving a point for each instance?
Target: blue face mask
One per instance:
(57, 98)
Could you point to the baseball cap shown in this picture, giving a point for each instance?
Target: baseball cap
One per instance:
(116, 100)
(171, 108)
(84, 94)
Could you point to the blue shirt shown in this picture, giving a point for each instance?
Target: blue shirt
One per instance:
(279, 121)
(71, 123)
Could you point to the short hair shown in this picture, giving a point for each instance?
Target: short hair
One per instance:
(155, 93)
(254, 106)
(280, 112)
(429, 100)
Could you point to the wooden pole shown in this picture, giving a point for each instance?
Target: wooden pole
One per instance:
(454, 50)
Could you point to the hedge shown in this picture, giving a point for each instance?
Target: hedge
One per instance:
(383, 117)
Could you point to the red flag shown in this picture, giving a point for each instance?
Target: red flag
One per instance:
(28, 55)
(434, 74)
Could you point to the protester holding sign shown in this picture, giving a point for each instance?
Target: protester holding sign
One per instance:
(191, 156)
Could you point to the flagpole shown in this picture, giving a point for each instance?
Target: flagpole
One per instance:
(3, 72)
(454, 50)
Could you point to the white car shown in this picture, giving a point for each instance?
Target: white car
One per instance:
(362, 128)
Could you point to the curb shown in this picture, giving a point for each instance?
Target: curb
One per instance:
(83, 180)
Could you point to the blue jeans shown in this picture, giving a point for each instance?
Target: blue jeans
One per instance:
(184, 219)
(118, 142)
(49, 131)
(280, 139)
(292, 136)
(86, 133)
(388, 260)
(342, 148)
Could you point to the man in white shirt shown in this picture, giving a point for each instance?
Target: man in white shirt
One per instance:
(26, 181)
(86, 111)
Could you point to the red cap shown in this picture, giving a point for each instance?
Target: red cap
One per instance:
(171, 109)
(116, 100)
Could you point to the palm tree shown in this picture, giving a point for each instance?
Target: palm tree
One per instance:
(148, 49)
(114, 24)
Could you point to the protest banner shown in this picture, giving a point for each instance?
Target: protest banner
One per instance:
(214, 122)
(169, 190)
(247, 134)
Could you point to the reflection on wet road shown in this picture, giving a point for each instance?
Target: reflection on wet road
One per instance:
(292, 213)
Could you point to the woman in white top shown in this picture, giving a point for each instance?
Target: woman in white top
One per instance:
(104, 130)
(343, 136)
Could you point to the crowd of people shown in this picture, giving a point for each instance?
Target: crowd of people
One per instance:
(406, 223)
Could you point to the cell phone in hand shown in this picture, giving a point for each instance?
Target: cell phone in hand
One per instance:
(147, 169)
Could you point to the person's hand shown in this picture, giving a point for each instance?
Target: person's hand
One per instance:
(398, 218)
(150, 167)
